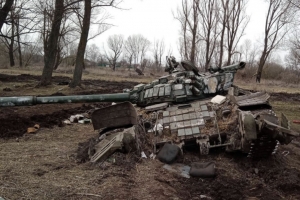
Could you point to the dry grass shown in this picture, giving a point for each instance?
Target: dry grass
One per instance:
(42, 166)
(290, 109)
(95, 73)
(268, 86)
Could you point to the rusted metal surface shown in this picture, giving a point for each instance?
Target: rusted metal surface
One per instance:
(119, 115)
(258, 98)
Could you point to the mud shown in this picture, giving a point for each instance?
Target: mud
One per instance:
(16, 120)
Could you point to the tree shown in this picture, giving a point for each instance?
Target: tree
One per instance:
(52, 43)
(93, 53)
(115, 44)
(86, 21)
(79, 63)
(136, 47)
(237, 21)
(278, 18)
(158, 51)
(4, 12)
(21, 22)
(208, 28)
(187, 15)
(293, 58)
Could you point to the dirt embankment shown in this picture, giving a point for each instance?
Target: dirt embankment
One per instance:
(16, 120)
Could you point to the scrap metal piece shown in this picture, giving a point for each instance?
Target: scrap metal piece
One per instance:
(115, 116)
(107, 146)
(247, 125)
(155, 107)
(203, 145)
(253, 99)
(285, 122)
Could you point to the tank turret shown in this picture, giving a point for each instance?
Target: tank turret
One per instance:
(179, 86)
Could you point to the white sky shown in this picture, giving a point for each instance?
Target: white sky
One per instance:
(154, 19)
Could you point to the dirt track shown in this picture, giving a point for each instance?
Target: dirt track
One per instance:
(42, 166)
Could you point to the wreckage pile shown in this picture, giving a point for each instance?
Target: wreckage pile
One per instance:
(175, 111)
(243, 123)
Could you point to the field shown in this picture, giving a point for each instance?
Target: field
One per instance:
(44, 166)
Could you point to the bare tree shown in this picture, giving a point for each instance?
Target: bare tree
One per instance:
(208, 31)
(79, 63)
(276, 27)
(86, 21)
(115, 44)
(129, 46)
(136, 47)
(52, 43)
(158, 51)
(4, 11)
(237, 21)
(92, 53)
(293, 58)
(188, 17)
(21, 22)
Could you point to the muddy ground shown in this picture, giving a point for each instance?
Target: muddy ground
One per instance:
(43, 165)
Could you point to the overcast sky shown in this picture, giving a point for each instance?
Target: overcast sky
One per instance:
(154, 19)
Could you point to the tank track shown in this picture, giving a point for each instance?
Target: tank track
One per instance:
(263, 147)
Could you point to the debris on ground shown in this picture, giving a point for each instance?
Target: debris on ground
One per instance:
(296, 121)
(203, 170)
(78, 118)
(178, 168)
(219, 99)
(139, 71)
(99, 149)
(7, 89)
(33, 129)
(168, 153)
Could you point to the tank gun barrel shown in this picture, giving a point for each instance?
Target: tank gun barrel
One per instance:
(234, 67)
(33, 100)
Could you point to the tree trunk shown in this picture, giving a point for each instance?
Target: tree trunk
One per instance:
(260, 67)
(45, 36)
(82, 45)
(11, 56)
(229, 53)
(52, 43)
(11, 44)
(19, 43)
(4, 11)
(57, 60)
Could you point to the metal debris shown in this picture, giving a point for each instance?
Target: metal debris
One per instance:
(253, 99)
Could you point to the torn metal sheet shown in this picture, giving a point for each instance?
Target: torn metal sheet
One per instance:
(258, 98)
(275, 127)
(107, 146)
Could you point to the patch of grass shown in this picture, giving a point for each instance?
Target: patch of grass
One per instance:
(270, 86)
(290, 109)
(105, 74)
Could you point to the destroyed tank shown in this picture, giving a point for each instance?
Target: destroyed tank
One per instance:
(179, 109)
(178, 87)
